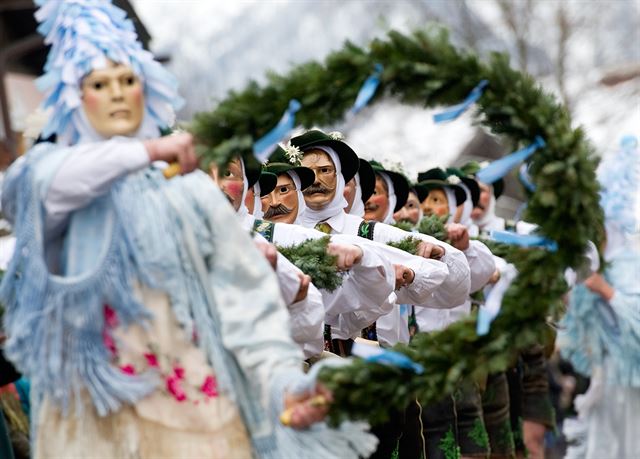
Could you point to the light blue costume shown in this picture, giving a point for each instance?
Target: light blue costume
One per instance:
(178, 236)
(602, 338)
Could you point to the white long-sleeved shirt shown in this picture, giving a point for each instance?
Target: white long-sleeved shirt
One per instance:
(365, 287)
(482, 266)
(307, 315)
(429, 276)
(88, 172)
(429, 273)
(453, 290)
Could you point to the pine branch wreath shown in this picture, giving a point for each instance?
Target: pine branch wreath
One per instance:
(425, 69)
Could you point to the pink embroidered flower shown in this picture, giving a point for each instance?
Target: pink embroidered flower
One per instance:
(109, 343)
(175, 388)
(178, 372)
(110, 316)
(210, 386)
(152, 359)
(128, 369)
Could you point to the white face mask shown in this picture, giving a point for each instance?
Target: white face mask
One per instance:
(311, 217)
(489, 212)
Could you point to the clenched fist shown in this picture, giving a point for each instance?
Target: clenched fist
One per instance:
(458, 235)
(428, 250)
(176, 148)
(348, 255)
(404, 276)
(305, 280)
(303, 410)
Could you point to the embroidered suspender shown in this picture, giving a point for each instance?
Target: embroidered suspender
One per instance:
(264, 228)
(365, 229)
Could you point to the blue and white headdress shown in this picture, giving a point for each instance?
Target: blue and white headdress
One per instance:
(84, 35)
(619, 175)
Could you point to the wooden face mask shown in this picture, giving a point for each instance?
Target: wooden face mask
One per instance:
(113, 100)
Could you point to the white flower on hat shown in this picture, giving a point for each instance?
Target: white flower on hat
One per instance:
(293, 153)
(393, 166)
(336, 135)
(484, 164)
(453, 180)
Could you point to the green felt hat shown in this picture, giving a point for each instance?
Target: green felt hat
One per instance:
(267, 183)
(252, 170)
(315, 138)
(438, 178)
(473, 167)
(470, 182)
(399, 181)
(283, 161)
(367, 179)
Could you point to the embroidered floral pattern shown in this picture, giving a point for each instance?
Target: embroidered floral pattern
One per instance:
(128, 369)
(174, 386)
(210, 387)
(152, 359)
(109, 343)
(111, 321)
(110, 317)
(171, 371)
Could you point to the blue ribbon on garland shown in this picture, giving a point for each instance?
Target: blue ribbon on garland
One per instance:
(367, 90)
(454, 112)
(483, 324)
(523, 240)
(501, 167)
(396, 359)
(264, 146)
(385, 357)
(525, 178)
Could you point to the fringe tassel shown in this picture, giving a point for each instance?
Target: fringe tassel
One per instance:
(56, 323)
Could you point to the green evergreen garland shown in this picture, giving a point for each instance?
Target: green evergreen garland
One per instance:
(408, 244)
(404, 225)
(432, 225)
(425, 69)
(311, 258)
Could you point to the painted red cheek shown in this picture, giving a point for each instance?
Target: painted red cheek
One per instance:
(137, 94)
(378, 200)
(234, 189)
(91, 100)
